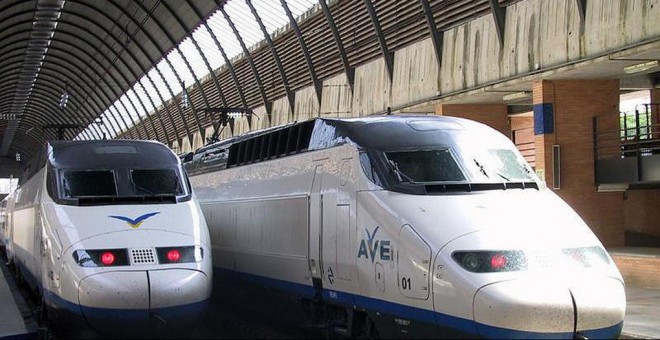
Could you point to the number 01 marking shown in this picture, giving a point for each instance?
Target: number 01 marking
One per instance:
(405, 283)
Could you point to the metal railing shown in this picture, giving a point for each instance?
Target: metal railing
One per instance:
(623, 148)
(638, 134)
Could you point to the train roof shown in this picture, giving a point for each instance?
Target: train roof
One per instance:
(371, 131)
(391, 131)
(374, 132)
(109, 153)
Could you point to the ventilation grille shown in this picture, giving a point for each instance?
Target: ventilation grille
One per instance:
(142, 256)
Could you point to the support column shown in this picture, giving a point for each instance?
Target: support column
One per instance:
(493, 115)
(563, 114)
(655, 107)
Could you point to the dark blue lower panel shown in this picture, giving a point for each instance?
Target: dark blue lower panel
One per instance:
(124, 322)
(446, 325)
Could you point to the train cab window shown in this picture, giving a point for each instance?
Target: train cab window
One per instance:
(88, 183)
(156, 182)
(424, 166)
(369, 169)
(500, 165)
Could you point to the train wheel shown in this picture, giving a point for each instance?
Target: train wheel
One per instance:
(43, 319)
(19, 277)
(369, 330)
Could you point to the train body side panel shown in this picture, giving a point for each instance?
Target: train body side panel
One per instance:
(266, 237)
(27, 229)
(259, 217)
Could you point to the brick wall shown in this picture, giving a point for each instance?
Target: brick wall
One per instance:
(522, 134)
(642, 211)
(575, 103)
(639, 271)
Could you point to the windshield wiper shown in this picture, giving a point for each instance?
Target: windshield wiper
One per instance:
(481, 168)
(399, 173)
(144, 189)
(65, 186)
(504, 177)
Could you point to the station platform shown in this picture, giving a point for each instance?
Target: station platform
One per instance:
(16, 320)
(640, 268)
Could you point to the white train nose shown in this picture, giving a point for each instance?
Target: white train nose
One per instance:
(139, 299)
(538, 307)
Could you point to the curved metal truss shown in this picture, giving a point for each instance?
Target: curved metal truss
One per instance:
(160, 69)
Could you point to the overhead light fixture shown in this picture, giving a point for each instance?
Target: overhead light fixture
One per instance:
(64, 99)
(640, 67)
(516, 96)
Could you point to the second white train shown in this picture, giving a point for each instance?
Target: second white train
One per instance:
(110, 236)
(405, 226)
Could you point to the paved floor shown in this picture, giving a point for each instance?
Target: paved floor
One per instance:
(15, 317)
(642, 314)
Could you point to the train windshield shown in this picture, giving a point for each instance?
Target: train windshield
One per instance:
(89, 183)
(461, 165)
(421, 166)
(123, 185)
(156, 182)
(497, 165)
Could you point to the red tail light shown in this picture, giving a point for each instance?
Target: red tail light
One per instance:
(497, 261)
(491, 261)
(101, 257)
(185, 254)
(173, 255)
(107, 258)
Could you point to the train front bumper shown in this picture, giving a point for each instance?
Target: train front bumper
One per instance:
(141, 301)
(542, 307)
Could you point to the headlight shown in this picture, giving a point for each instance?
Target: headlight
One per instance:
(587, 256)
(137, 256)
(101, 257)
(491, 261)
(179, 254)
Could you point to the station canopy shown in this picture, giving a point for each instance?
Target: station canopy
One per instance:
(80, 69)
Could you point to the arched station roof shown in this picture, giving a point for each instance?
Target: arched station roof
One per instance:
(64, 62)
(161, 69)
(80, 69)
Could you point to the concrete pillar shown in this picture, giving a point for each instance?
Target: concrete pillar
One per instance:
(493, 115)
(563, 117)
(655, 108)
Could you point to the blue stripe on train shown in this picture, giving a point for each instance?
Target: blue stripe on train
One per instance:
(423, 315)
(57, 301)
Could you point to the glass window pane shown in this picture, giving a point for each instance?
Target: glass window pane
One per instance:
(88, 183)
(156, 182)
(424, 166)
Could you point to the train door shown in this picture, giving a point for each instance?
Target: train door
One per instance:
(337, 229)
(315, 228)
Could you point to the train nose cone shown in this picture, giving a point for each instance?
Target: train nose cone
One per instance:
(139, 302)
(601, 307)
(542, 307)
(112, 301)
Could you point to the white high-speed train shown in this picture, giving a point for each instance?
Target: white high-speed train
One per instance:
(111, 237)
(404, 226)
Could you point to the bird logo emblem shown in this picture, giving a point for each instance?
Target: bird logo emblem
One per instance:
(135, 223)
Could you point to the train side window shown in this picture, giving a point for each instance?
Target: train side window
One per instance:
(369, 170)
(263, 153)
(272, 145)
(51, 183)
(292, 139)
